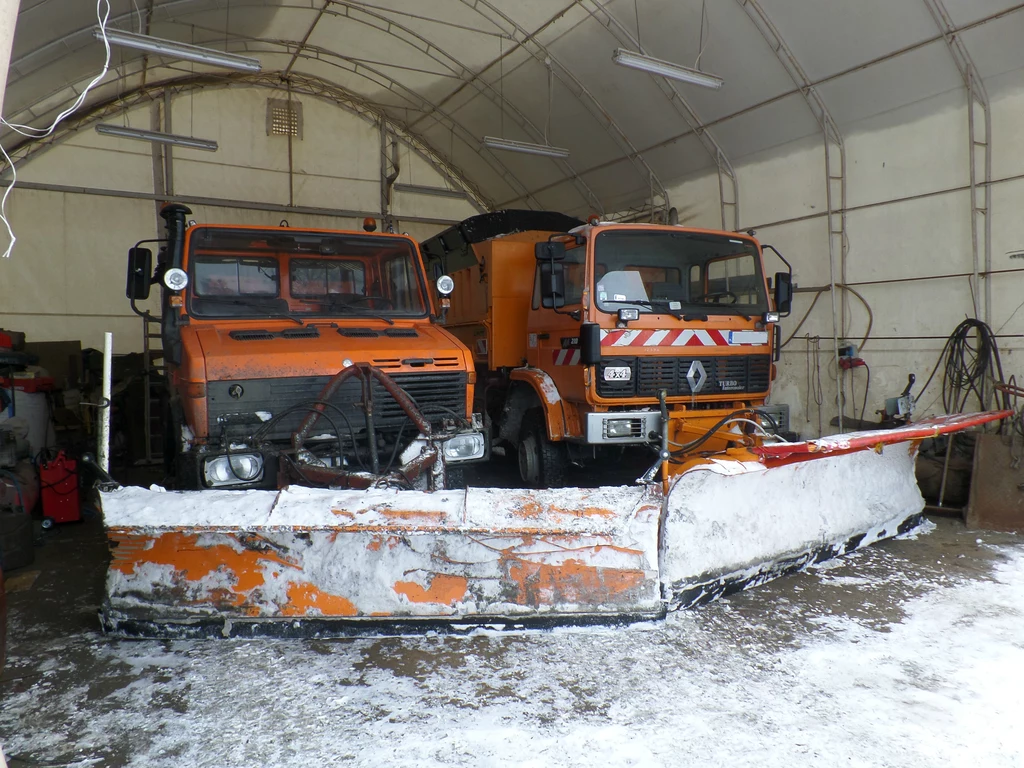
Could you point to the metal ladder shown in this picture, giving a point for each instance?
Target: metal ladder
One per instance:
(154, 375)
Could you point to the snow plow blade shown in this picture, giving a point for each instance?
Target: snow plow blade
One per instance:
(305, 562)
(731, 524)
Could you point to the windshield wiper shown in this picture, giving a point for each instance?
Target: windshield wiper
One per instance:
(725, 309)
(676, 313)
(357, 310)
(255, 304)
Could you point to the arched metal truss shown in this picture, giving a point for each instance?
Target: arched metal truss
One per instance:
(527, 40)
(361, 14)
(299, 84)
(980, 157)
(523, 38)
(728, 185)
(395, 22)
(296, 50)
(835, 172)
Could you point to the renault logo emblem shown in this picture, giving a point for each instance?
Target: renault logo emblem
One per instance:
(696, 376)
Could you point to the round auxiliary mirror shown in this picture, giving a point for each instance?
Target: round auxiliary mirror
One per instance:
(175, 279)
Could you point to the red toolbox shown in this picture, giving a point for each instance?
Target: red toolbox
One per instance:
(59, 481)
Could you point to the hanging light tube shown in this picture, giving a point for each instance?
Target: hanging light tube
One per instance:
(124, 132)
(525, 147)
(666, 69)
(419, 189)
(175, 50)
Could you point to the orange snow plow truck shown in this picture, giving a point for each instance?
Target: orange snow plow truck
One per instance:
(322, 405)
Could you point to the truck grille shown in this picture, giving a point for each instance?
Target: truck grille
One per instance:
(740, 374)
(439, 395)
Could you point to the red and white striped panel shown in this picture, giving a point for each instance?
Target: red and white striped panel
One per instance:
(566, 356)
(683, 337)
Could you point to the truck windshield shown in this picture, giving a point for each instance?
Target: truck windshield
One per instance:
(273, 273)
(660, 271)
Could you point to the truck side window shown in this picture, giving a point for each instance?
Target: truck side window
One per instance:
(736, 275)
(233, 276)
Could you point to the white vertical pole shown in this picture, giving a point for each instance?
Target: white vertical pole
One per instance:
(8, 20)
(103, 448)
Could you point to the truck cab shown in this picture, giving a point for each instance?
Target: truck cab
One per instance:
(625, 335)
(305, 356)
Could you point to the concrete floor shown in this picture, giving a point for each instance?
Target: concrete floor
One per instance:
(73, 697)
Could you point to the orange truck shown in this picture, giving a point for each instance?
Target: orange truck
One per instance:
(305, 356)
(588, 337)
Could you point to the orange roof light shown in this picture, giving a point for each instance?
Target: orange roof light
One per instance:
(370, 224)
(593, 220)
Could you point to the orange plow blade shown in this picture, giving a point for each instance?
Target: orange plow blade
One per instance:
(304, 562)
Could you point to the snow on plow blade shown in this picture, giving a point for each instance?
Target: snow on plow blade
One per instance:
(304, 562)
(731, 524)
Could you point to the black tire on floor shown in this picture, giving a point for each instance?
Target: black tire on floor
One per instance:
(17, 538)
(171, 437)
(542, 463)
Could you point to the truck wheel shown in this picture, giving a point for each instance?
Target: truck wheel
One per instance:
(542, 463)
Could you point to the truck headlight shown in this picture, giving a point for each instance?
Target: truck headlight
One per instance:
(619, 427)
(235, 469)
(464, 447)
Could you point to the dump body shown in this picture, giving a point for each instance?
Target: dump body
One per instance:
(308, 356)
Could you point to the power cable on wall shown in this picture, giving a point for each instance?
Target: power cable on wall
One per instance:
(817, 294)
(970, 367)
(102, 15)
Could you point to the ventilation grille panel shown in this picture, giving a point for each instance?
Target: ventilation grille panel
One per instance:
(284, 118)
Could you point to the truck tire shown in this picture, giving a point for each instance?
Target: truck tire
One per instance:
(542, 463)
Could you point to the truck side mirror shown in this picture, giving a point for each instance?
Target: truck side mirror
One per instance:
(590, 344)
(552, 284)
(550, 250)
(783, 292)
(550, 254)
(140, 273)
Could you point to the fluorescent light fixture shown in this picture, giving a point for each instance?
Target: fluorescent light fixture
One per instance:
(525, 147)
(175, 50)
(666, 69)
(163, 138)
(419, 189)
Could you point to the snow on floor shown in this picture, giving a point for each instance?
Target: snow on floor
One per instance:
(770, 680)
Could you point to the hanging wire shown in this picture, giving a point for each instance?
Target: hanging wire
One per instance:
(636, 10)
(501, 86)
(814, 387)
(551, 87)
(139, 14)
(192, 92)
(971, 363)
(703, 42)
(102, 15)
